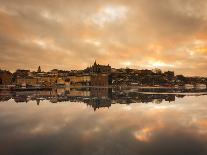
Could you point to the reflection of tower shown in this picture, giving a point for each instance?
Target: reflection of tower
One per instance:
(100, 98)
(38, 102)
(39, 69)
(100, 103)
(170, 98)
(100, 92)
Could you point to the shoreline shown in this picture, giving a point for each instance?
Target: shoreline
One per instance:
(140, 89)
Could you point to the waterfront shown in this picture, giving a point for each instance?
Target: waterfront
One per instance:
(124, 122)
(103, 77)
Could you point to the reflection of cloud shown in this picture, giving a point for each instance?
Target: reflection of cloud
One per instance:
(71, 127)
(143, 135)
(127, 108)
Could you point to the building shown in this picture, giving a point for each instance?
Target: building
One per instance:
(97, 68)
(101, 92)
(80, 80)
(26, 81)
(169, 74)
(5, 77)
(145, 72)
(22, 73)
(46, 80)
(53, 72)
(102, 80)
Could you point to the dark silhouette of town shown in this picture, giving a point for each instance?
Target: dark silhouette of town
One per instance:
(96, 75)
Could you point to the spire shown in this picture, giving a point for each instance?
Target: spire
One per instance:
(95, 63)
(39, 69)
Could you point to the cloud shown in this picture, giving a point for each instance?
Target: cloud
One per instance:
(142, 33)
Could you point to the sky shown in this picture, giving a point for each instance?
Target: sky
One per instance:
(72, 34)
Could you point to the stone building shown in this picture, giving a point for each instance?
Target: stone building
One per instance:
(21, 73)
(97, 68)
(25, 81)
(80, 80)
(5, 77)
(102, 80)
(46, 80)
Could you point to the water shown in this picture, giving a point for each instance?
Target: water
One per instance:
(102, 122)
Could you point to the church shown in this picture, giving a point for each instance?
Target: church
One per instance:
(97, 68)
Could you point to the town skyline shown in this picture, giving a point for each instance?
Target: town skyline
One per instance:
(41, 69)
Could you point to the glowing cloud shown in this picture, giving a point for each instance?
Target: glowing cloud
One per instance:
(109, 14)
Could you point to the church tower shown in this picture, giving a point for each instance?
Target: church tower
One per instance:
(39, 69)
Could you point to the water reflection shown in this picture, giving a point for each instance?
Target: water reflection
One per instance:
(95, 97)
(73, 128)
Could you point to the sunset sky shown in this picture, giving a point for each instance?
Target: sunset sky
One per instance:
(71, 34)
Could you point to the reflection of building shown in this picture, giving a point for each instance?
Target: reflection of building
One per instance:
(60, 81)
(94, 97)
(5, 95)
(83, 93)
(99, 103)
(101, 92)
(170, 98)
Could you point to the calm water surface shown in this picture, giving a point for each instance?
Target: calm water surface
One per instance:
(73, 127)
